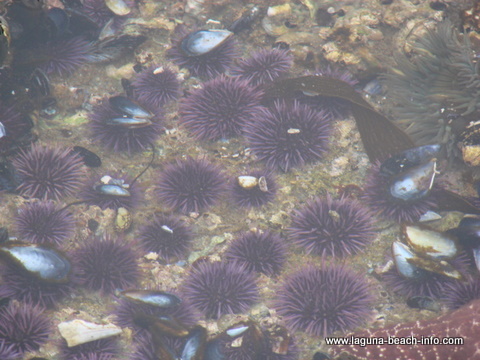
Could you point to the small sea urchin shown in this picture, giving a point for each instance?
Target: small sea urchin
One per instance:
(43, 222)
(322, 300)
(263, 252)
(332, 227)
(220, 288)
(190, 185)
(220, 108)
(288, 135)
(49, 173)
(106, 264)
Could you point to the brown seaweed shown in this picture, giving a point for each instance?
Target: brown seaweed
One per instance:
(381, 138)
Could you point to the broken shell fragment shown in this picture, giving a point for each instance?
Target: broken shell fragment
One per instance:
(123, 220)
(247, 181)
(77, 332)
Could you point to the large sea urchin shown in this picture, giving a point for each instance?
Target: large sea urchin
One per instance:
(322, 300)
(288, 135)
(220, 108)
(220, 288)
(332, 227)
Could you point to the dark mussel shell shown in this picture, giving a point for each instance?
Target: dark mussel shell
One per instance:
(194, 348)
(156, 298)
(129, 108)
(409, 158)
(202, 42)
(129, 123)
(89, 158)
(402, 255)
(112, 190)
(160, 325)
(423, 303)
(414, 183)
(44, 262)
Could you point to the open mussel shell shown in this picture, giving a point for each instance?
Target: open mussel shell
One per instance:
(415, 183)
(203, 41)
(160, 325)
(44, 262)
(401, 256)
(152, 297)
(407, 159)
(129, 108)
(428, 242)
(436, 266)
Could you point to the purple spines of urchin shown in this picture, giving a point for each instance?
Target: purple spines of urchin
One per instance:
(93, 197)
(220, 108)
(22, 286)
(333, 227)
(335, 107)
(257, 195)
(98, 11)
(43, 222)
(459, 293)
(49, 173)
(378, 198)
(8, 352)
(66, 55)
(23, 327)
(325, 299)
(103, 349)
(106, 264)
(206, 66)
(119, 138)
(191, 185)
(167, 236)
(264, 252)
(220, 288)
(288, 135)
(155, 86)
(263, 66)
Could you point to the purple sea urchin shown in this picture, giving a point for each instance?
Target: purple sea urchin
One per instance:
(103, 349)
(122, 138)
(458, 293)
(220, 108)
(208, 65)
(332, 227)
(8, 352)
(220, 288)
(263, 252)
(98, 11)
(106, 264)
(263, 66)
(377, 197)
(92, 197)
(156, 86)
(288, 135)
(247, 195)
(42, 223)
(22, 286)
(23, 327)
(190, 185)
(49, 173)
(166, 235)
(322, 300)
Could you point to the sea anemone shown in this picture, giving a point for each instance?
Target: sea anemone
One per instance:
(106, 264)
(16, 126)
(288, 135)
(120, 138)
(93, 197)
(336, 227)
(23, 286)
(156, 86)
(377, 197)
(263, 252)
(168, 236)
(322, 300)
(333, 106)
(220, 108)
(245, 194)
(459, 293)
(43, 222)
(103, 349)
(263, 66)
(49, 173)
(190, 185)
(208, 65)
(23, 327)
(220, 288)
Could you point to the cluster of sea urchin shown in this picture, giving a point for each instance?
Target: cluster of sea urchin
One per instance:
(322, 300)
(288, 135)
(336, 227)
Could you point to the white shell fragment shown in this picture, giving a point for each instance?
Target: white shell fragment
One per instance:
(118, 7)
(262, 184)
(293, 131)
(247, 181)
(77, 332)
